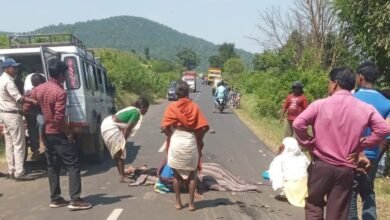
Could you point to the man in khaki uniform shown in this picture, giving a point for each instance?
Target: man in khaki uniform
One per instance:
(11, 115)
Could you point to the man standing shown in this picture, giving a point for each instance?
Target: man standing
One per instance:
(31, 118)
(363, 184)
(295, 104)
(59, 139)
(338, 122)
(10, 109)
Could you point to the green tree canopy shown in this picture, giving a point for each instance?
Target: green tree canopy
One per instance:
(215, 61)
(367, 23)
(3, 41)
(234, 66)
(226, 52)
(188, 59)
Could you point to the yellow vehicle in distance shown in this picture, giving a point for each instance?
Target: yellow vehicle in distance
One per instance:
(213, 73)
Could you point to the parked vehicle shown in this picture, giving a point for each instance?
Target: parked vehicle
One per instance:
(172, 91)
(190, 78)
(235, 99)
(214, 73)
(90, 93)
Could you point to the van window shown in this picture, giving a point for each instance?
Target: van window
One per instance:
(1, 67)
(100, 80)
(92, 75)
(86, 76)
(73, 77)
(106, 84)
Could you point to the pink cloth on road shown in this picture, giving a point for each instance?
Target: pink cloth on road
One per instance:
(338, 122)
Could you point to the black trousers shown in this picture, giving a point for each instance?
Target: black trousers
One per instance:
(33, 133)
(333, 183)
(59, 151)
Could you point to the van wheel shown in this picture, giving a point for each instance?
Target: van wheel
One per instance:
(93, 147)
(99, 146)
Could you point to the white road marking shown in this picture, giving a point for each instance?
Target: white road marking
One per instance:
(115, 214)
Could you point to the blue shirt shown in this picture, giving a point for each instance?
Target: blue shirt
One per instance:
(221, 92)
(381, 104)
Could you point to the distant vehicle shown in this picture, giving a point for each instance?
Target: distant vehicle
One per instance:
(214, 73)
(190, 78)
(172, 91)
(201, 75)
(90, 93)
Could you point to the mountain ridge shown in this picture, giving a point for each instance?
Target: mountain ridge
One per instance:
(130, 33)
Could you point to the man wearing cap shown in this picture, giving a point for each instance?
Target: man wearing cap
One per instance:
(295, 104)
(10, 112)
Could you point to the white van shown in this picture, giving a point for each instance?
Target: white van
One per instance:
(90, 93)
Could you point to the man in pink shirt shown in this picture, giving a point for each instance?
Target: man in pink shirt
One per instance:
(338, 123)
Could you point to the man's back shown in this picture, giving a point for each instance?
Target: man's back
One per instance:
(221, 92)
(381, 104)
(338, 122)
(52, 99)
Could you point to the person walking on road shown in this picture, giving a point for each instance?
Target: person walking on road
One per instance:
(363, 184)
(338, 123)
(60, 148)
(184, 126)
(295, 104)
(118, 128)
(11, 114)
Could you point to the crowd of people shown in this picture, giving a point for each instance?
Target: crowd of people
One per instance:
(345, 135)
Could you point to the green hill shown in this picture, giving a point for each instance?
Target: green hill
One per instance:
(134, 33)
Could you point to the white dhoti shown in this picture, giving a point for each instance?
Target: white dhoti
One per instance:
(183, 155)
(113, 136)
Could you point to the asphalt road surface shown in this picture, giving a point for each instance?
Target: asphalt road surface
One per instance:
(232, 145)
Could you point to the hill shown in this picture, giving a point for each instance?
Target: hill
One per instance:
(134, 33)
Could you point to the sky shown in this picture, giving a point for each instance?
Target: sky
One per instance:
(217, 21)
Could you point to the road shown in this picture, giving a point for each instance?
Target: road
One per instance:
(233, 146)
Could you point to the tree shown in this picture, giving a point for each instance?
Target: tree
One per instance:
(226, 52)
(3, 41)
(188, 59)
(367, 25)
(234, 66)
(147, 53)
(215, 61)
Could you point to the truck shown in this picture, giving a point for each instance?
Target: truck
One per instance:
(89, 90)
(190, 78)
(213, 73)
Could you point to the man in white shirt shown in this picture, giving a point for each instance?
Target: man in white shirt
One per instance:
(11, 114)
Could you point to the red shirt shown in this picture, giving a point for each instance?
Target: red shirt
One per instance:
(294, 105)
(52, 99)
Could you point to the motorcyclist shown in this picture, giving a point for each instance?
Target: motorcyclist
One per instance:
(220, 93)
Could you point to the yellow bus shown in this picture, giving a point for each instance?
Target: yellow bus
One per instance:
(213, 73)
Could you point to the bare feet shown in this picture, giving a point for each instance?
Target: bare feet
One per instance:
(191, 207)
(178, 206)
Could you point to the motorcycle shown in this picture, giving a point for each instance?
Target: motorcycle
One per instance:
(220, 105)
(235, 100)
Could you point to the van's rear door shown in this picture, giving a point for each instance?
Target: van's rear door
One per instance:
(47, 55)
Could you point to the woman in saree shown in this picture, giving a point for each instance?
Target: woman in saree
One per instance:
(185, 126)
(117, 129)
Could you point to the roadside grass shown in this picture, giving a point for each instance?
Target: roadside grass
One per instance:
(271, 132)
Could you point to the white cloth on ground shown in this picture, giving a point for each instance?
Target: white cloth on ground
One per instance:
(289, 169)
(183, 155)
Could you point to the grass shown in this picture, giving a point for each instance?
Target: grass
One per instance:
(271, 132)
(268, 130)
